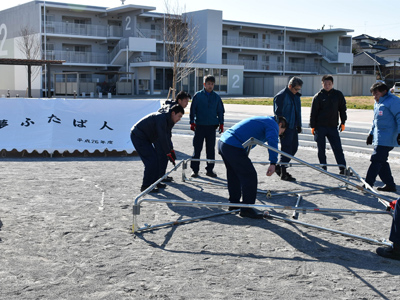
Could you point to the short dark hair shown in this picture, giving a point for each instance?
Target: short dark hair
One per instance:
(281, 120)
(327, 77)
(208, 78)
(182, 95)
(379, 86)
(295, 81)
(177, 109)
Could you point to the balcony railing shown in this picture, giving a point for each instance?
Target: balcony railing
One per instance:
(149, 57)
(279, 46)
(78, 57)
(272, 66)
(68, 28)
(122, 44)
(150, 34)
(251, 43)
(345, 49)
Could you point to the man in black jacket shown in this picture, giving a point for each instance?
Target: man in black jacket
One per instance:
(327, 105)
(155, 127)
(182, 98)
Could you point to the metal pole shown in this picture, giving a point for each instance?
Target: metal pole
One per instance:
(136, 207)
(48, 78)
(178, 222)
(253, 141)
(260, 206)
(296, 213)
(268, 192)
(284, 51)
(127, 62)
(329, 230)
(29, 81)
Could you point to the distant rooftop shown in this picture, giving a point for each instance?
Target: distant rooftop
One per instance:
(368, 59)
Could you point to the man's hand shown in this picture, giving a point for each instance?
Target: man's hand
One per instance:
(313, 131)
(299, 130)
(393, 204)
(398, 139)
(221, 128)
(192, 126)
(341, 127)
(170, 158)
(271, 170)
(370, 137)
(173, 154)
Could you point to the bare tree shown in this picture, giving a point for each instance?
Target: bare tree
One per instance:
(180, 40)
(356, 49)
(29, 44)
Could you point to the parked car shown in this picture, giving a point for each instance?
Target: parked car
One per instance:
(396, 88)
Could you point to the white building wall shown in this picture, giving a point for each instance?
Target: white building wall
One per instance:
(331, 41)
(209, 24)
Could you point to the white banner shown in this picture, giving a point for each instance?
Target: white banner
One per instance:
(70, 124)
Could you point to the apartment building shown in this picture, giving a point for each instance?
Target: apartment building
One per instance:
(122, 50)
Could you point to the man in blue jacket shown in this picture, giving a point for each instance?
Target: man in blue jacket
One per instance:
(384, 135)
(240, 172)
(287, 104)
(206, 115)
(155, 127)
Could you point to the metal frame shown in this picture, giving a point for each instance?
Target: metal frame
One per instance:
(296, 209)
(268, 193)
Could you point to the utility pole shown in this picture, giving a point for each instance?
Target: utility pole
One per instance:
(394, 71)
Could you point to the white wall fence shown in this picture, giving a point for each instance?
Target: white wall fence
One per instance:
(349, 85)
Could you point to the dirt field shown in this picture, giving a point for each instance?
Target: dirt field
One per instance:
(65, 233)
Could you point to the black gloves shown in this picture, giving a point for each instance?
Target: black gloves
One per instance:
(398, 139)
(172, 157)
(299, 130)
(370, 137)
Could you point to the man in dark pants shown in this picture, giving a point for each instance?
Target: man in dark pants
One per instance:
(151, 128)
(327, 105)
(241, 174)
(206, 115)
(384, 135)
(287, 104)
(394, 251)
(182, 98)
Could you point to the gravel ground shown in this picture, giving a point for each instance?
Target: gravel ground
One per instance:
(65, 233)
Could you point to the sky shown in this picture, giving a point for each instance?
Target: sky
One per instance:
(362, 16)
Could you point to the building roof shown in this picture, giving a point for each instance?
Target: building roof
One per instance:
(365, 36)
(368, 59)
(365, 45)
(391, 51)
(287, 28)
(108, 10)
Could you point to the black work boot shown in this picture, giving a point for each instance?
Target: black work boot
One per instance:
(252, 213)
(387, 188)
(278, 170)
(286, 176)
(389, 252)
